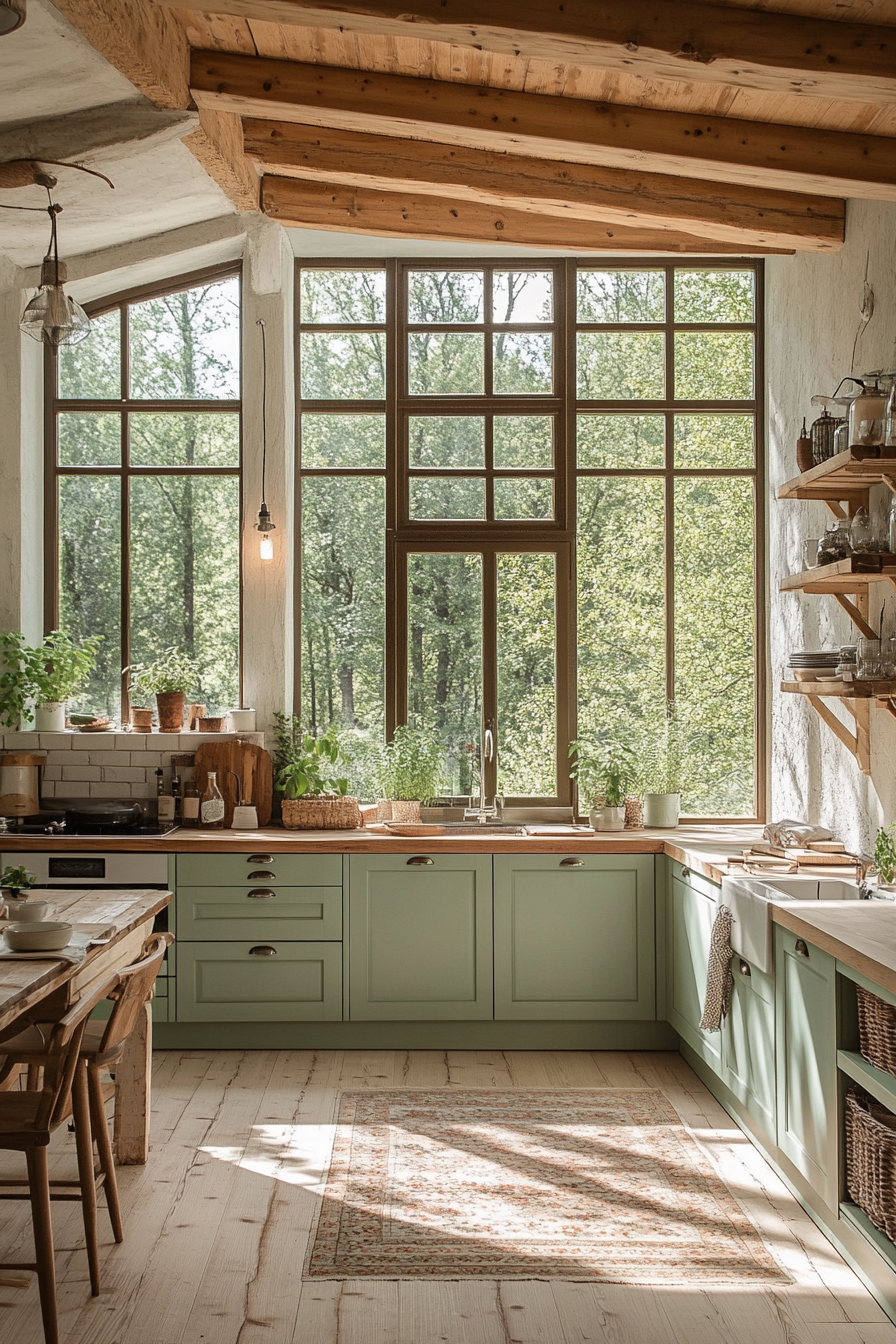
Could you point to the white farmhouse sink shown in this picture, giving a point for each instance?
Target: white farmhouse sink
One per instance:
(750, 900)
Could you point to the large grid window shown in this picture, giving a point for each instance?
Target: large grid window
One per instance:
(529, 503)
(143, 485)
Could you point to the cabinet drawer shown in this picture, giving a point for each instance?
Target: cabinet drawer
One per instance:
(259, 911)
(260, 982)
(696, 881)
(227, 870)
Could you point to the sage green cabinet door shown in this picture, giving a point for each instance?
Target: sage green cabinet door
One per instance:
(259, 982)
(221, 913)
(807, 1061)
(420, 937)
(575, 937)
(690, 914)
(748, 1042)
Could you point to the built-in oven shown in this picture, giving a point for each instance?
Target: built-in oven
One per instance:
(72, 872)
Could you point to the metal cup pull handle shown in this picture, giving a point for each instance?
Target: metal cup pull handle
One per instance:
(262, 875)
(263, 951)
(260, 858)
(261, 894)
(420, 861)
(800, 948)
(745, 970)
(572, 863)
(685, 872)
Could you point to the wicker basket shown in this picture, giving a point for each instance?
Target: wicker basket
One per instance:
(634, 813)
(321, 814)
(871, 1159)
(877, 1030)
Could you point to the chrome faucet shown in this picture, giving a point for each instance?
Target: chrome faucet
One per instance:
(864, 865)
(484, 810)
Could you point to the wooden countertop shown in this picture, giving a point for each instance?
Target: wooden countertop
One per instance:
(861, 934)
(705, 848)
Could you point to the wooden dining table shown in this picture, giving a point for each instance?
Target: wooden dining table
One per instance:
(120, 920)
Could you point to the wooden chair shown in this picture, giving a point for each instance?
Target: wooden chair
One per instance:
(27, 1120)
(101, 1047)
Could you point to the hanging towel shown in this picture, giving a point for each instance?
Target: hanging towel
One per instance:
(719, 980)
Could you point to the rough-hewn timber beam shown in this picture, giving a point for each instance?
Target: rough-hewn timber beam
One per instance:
(764, 155)
(730, 213)
(319, 205)
(786, 53)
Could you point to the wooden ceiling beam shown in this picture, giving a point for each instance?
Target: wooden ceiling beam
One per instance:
(760, 49)
(793, 158)
(321, 205)
(745, 216)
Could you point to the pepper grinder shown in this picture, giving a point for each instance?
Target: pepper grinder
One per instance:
(804, 459)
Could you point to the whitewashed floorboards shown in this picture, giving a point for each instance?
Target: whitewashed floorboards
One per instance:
(217, 1223)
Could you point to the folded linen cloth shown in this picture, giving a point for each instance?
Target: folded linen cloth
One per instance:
(719, 980)
(794, 833)
(75, 952)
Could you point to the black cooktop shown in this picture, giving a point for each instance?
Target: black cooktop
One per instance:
(59, 828)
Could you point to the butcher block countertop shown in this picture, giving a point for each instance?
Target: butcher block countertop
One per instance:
(704, 848)
(860, 934)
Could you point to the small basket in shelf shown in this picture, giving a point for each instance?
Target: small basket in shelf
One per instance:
(871, 1160)
(877, 1030)
(321, 814)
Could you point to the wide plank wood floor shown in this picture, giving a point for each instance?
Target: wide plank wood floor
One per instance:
(217, 1224)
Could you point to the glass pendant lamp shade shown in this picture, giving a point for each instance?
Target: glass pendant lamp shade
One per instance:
(53, 316)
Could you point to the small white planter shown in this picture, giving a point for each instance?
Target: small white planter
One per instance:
(608, 818)
(661, 809)
(50, 717)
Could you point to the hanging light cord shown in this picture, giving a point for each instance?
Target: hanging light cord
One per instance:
(264, 408)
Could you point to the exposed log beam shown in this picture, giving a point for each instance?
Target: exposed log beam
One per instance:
(217, 143)
(575, 130)
(318, 205)
(146, 42)
(786, 53)
(745, 216)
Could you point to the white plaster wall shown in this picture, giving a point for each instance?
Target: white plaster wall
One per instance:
(812, 317)
(21, 481)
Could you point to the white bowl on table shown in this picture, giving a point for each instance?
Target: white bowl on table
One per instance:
(29, 909)
(45, 936)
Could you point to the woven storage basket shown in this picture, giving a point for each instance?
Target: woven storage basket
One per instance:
(871, 1160)
(877, 1030)
(321, 814)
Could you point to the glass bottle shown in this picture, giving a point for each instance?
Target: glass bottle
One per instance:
(211, 807)
(890, 419)
(190, 811)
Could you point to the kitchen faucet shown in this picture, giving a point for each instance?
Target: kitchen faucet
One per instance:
(484, 810)
(864, 865)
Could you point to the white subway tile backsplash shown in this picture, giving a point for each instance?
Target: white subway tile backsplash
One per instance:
(107, 758)
(130, 741)
(72, 791)
(82, 772)
(55, 741)
(48, 788)
(110, 791)
(123, 774)
(51, 772)
(21, 741)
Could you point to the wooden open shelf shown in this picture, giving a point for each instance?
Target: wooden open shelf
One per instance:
(846, 478)
(853, 575)
(843, 690)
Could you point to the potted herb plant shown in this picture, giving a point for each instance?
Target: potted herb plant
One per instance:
(314, 795)
(412, 768)
(666, 763)
(606, 775)
(885, 854)
(60, 667)
(13, 882)
(168, 677)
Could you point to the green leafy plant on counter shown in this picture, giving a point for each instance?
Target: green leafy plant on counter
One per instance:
(17, 879)
(413, 764)
(15, 689)
(172, 671)
(666, 755)
(312, 771)
(885, 852)
(606, 770)
(51, 671)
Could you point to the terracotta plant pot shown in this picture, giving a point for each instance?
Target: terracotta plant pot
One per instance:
(405, 811)
(141, 720)
(171, 711)
(215, 725)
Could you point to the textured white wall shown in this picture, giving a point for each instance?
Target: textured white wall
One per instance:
(812, 317)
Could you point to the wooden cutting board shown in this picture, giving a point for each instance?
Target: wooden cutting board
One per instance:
(250, 763)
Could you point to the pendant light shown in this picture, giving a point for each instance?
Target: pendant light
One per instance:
(263, 523)
(12, 15)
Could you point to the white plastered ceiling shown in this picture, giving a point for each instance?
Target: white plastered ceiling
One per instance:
(50, 80)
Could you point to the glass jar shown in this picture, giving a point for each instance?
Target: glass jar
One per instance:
(861, 532)
(835, 544)
(822, 434)
(868, 659)
(211, 807)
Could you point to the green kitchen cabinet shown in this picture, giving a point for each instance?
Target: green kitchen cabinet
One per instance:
(267, 981)
(259, 911)
(690, 914)
(748, 1042)
(575, 937)
(806, 1054)
(420, 930)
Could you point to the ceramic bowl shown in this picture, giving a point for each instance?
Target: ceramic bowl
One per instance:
(30, 909)
(46, 937)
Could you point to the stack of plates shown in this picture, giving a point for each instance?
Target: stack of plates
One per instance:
(819, 665)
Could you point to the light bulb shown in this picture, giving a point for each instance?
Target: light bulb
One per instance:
(266, 549)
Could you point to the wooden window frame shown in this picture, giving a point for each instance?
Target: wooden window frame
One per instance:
(124, 471)
(404, 535)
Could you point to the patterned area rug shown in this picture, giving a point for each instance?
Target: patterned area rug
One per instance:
(596, 1183)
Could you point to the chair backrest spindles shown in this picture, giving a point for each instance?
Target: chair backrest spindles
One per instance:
(134, 986)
